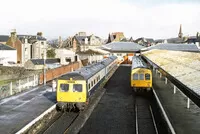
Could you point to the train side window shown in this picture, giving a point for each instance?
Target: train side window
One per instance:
(92, 83)
(135, 76)
(64, 87)
(89, 85)
(147, 76)
(141, 76)
(77, 88)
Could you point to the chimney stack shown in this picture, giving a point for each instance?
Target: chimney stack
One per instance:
(60, 42)
(13, 35)
(74, 45)
(39, 33)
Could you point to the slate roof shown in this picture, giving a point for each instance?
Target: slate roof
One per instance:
(192, 39)
(36, 37)
(175, 47)
(159, 41)
(81, 39)
(4, 38)
(6, 47)
(123, 47)
(47, 61)
(175, 40)
(145, 39)
(124, 40)
(91, 52)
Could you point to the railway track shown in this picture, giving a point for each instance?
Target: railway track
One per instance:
(144, 118)
(148, 116)
(60, 124)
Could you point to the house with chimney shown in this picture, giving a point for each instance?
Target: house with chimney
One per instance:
(145, 41)
(81, 42)
(115, 37)
(194, 40)
(27, 46)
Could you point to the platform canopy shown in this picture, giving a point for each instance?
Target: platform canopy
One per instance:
(184, 66)
(174, 47)
(122, 47)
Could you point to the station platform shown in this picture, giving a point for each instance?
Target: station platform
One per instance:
(183, 120)
(17, 111)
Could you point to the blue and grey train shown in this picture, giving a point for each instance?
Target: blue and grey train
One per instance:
(75, 88)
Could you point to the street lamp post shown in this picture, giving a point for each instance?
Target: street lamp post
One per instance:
(44, 57)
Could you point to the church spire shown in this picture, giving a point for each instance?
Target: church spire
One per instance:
(180, 34)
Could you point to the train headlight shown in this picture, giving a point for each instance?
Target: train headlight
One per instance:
(148, 84)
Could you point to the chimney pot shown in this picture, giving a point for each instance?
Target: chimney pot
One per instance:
(39, 33)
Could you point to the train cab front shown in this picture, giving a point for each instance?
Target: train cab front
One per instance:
(71, 94)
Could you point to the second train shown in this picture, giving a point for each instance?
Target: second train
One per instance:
(141, 75)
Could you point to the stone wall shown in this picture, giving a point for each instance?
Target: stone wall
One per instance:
(7, 72)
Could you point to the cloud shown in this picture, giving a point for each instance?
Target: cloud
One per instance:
(100, 17)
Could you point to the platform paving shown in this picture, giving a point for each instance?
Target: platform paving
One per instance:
(17, 111)
(184, 120)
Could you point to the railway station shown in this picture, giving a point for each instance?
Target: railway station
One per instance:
(171, 106)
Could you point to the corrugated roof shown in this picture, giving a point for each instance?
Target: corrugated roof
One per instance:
(88, 71)
(137, 62)
(122, 46)
(184, 66)
(175, 47)
(6, 47)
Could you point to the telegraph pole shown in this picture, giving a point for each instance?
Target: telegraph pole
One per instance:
(44, 57)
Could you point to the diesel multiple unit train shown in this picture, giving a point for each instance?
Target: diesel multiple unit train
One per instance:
(75, 88)
(141, 75)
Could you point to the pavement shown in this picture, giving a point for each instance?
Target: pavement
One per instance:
(184, 120)
(17, 111)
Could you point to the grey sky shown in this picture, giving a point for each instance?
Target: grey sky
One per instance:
(100, 17)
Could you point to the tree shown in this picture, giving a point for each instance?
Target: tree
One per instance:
(51, 53)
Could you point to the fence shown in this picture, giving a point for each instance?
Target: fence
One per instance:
(20, 85)
(17, 86)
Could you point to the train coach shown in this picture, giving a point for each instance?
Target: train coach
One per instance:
(141, 75)
(75, 88)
